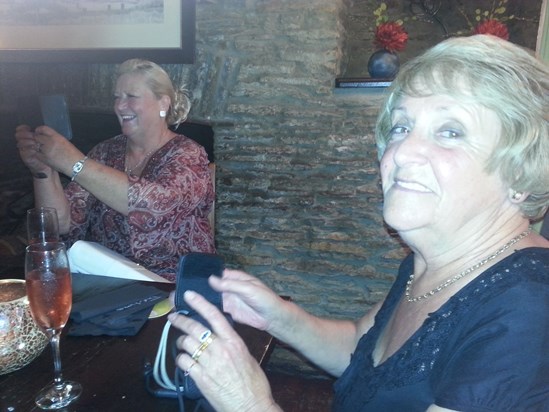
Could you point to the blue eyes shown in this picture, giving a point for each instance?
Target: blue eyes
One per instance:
(400, 131)
(451, 134)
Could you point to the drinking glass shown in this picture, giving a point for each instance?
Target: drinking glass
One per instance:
(42, 225)
(49, 290)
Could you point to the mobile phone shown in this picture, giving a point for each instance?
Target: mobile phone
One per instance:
(51, 110)
(193, 272)
(55, 114)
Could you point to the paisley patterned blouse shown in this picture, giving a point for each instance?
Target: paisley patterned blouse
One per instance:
(168, 206)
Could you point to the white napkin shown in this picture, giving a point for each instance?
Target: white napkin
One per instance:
(95, 259)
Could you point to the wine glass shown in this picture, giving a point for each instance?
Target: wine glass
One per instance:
(49, 290)
(42, 225)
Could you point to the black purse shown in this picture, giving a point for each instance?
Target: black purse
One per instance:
(193, 272)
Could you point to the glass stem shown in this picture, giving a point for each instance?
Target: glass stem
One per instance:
(58, 376)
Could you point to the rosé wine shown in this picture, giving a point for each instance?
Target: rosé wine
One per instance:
(49, 290)
(50, 297)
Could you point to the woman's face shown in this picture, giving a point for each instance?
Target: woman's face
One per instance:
(433, 170)
(137, 108)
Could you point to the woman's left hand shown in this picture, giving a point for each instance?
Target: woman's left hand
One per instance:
(56, 150)
(223, 368)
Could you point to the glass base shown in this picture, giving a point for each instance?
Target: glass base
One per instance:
(58, 396)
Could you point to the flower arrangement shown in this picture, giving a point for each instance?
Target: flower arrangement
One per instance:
(389, 35)
(493, 27)
(490, 21)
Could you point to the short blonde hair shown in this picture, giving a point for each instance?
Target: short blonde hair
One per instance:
(502, 77)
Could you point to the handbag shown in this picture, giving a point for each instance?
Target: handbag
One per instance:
(192, 274)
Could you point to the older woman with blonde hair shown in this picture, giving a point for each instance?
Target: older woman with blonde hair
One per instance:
(464, 155)
(145, 193)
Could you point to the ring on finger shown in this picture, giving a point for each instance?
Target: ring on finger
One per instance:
(207, 333)
(188, 371)
(196, 354)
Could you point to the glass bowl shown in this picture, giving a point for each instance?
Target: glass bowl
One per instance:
(21, 341)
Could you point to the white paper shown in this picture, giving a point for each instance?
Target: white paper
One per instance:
(95, 259)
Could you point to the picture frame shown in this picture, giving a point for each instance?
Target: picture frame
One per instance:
(95, 35)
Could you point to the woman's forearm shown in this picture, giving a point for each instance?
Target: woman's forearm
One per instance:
(48, 192)
(108, 185)
(327, 343)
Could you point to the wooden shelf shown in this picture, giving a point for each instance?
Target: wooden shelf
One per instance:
(361, 82)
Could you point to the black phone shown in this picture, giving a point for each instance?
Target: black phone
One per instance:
(55, 113)
(51, 110)
(193, 272)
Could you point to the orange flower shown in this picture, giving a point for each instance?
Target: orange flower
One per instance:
(493, 27)
(391, 36)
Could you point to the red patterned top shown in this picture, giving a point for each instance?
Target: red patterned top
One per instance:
(168, 206)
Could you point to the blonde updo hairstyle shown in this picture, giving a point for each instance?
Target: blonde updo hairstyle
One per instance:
(160, 84)
(503, 77)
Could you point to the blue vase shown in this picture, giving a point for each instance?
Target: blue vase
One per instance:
(383, 64)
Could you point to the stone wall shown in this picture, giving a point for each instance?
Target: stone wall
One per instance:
(298, 194)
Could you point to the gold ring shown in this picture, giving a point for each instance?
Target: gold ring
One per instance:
(196, 354)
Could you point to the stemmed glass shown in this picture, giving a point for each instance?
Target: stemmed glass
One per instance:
(49, 290)
(42, 225)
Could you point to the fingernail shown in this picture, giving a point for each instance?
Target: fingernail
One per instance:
(190, 294)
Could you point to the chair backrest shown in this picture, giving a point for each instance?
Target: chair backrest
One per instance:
(211, 216)
(544, 231)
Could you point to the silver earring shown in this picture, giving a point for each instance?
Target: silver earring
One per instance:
(162, 113)
(516, 195)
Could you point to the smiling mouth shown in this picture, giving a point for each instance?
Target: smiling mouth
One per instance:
(127, 118)
(416, 187)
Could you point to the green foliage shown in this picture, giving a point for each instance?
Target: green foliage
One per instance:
(381, 15)
(496, 12)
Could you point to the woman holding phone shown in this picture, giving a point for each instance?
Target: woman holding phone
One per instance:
(145, 193)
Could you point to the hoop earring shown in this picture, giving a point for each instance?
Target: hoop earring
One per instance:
(162, 113)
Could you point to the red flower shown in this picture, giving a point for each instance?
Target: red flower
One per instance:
(493, 27)
(391, 36)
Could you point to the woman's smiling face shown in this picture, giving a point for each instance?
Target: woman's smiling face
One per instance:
(136, 105)
(433, 169)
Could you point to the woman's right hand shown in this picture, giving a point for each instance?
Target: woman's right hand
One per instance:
(29, 150)
(248, 300)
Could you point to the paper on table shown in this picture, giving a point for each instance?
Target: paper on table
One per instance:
(95, 259)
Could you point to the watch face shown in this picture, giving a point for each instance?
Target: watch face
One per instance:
(77, 167)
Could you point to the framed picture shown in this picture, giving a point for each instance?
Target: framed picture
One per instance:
(97, 31)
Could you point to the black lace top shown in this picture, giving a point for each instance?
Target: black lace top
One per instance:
(485, 349)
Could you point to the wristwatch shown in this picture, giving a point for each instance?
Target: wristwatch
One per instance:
(77, 167)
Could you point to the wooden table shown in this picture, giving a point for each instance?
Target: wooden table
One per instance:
(110, 369)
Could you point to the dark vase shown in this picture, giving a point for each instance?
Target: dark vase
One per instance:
(383, 64)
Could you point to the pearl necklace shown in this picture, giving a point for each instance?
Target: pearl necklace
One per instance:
(467, 271)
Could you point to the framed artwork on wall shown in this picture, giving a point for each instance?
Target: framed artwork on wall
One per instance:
(92, 31)
(428, 22)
